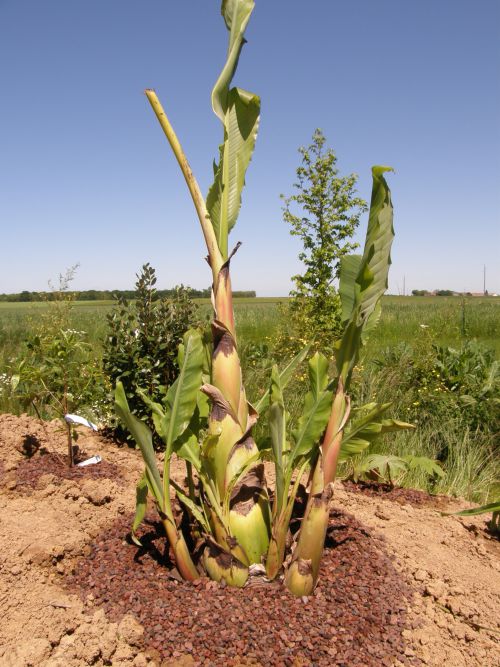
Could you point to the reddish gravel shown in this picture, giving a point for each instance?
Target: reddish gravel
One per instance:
(361, 614)
(29, 471)
(355, 618)
(396, 493)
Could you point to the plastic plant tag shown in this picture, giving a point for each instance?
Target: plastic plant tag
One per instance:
(76, 419)
(89, 462)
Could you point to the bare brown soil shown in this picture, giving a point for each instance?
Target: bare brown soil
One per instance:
(400, 584)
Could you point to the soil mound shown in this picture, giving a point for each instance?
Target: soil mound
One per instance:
(356, 616)
(400, 584)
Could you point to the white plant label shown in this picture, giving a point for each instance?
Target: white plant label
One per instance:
(76, 419)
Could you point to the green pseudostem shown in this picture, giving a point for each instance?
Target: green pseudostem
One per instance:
(361, 307)
(239, 506)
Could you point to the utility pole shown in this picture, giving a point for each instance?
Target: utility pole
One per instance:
(404, 285)
(484, 279)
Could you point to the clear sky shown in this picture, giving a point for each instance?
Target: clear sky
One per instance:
(87, 176)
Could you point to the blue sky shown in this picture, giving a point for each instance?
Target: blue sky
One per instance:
(87, 176)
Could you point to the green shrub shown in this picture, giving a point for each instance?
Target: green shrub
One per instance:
(447, 382)
(452, 394)
(140, 349)
(56, 372)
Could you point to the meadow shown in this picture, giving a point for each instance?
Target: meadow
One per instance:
(449, 319)
(408, 361)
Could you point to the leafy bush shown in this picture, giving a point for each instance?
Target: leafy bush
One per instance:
(140, 349)
(57, 372)
(446, 382)
(452, 394)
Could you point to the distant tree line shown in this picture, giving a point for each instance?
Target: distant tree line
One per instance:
(447, 292)
(437, 292)
(103, 295)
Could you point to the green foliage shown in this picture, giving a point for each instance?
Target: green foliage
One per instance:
(366, 426)
(324, 213)
(325, 431)
(447, 382)
(451, 393)
(239, 112)
(140, 349)
(390, 468)
(317, 408)
(56, 372)
(469, 458)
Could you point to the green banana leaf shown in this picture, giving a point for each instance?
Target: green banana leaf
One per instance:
(236, 15)
(241, 123)
(181, 399)
(484, 509)
(317, 408)
(157, 412)
(349, 270)
(360, 299)
(366, 426)
(239, 112)
(187, 447)
(277, 428)
(284, 376)
(143, 437)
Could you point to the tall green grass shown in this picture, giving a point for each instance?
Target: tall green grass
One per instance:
(402, 319)
(449, 318)
(472, 462)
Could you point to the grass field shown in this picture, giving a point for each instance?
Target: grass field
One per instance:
(449, 319)
(455, 434)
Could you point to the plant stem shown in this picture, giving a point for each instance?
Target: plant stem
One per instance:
(71, 459)
(214, 255)
(233, 422)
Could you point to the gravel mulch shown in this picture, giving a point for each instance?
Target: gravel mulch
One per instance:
(396, 493)
(355, 618)
(29, 471)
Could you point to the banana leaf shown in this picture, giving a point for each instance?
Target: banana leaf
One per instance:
(143, 437)
(285, 376)
(317, 407)
(363, 280)
(239, 112)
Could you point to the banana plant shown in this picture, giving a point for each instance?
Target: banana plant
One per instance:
(234, 496)
(292, 456)
(205, 417)
(363, 281)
